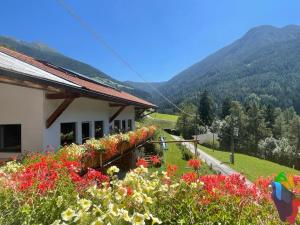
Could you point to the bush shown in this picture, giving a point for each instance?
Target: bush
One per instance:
(186, 153)
(47, 189)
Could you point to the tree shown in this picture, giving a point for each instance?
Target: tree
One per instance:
(236, 119)
(270, 116)
(226, 104)
(186, 123)
(205, 109)
(214, 129)
(256, 126)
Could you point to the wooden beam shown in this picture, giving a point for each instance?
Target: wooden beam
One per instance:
(62, 95)
(117, 113)
(60, 109)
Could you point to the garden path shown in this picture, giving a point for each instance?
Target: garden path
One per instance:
(211, 161)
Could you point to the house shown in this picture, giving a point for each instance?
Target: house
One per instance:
(43, 105)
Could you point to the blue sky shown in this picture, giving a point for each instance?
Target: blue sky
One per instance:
(159, 38)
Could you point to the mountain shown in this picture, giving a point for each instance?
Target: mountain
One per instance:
(43, 52)
(265, 61)
(146, 87)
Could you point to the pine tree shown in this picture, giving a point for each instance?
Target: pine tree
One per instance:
(270, 116)
(205, 109)
(226, 107)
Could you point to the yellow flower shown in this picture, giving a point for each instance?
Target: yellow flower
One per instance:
(124, 214)
(138, 219)
(68, 214)
(156, 220)
(113, 169)
(85, 204)
(113, 209)
(59, 201)
(98, 221)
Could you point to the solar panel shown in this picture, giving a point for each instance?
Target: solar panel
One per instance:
(79, 75)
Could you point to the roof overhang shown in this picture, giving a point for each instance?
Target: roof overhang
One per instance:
(24, 79)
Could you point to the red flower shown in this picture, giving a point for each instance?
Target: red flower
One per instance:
(194, 163)
(171, 170)
(129, 191)
(155, 160)
(189, 177)
(141, 162)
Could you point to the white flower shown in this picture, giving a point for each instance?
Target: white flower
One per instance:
(138, 219)
(124, 214)
(85, 204)
(98, 221)
(193, 185)
(59, 201)
(156, 220)
(68, 214)
(56, 222)
(112, 170)
(113, 209)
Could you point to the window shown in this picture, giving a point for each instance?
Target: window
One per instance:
(67, 133)
(85, 131)
(129, 124)
(99, 129)
(10, 138)
(124, 125)
(117, 125)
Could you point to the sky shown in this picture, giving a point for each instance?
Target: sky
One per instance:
(158, 38)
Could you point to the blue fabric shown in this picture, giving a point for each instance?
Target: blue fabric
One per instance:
(284, 208)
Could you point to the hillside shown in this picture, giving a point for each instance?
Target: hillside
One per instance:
(43, 52)
(266, 61)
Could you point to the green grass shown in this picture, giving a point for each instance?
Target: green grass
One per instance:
(250, 166)
(161, 116)
(173, 156)
(162, 124)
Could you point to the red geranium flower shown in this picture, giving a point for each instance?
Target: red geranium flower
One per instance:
(194, 163)
(141, 162)
(189, 177)
(171, 170)
(155, 160)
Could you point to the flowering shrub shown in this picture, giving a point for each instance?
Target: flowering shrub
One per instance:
(113, 145)
(48, 189)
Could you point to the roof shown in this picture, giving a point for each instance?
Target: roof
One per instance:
(65, 77)
(11, 63)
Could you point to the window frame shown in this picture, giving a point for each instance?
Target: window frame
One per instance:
(90, 131)
(101, 136)
(2, 150)
(74, 135)
(129, 124)
(124, 125)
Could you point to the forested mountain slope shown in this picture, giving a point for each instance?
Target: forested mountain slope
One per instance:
(266, 61)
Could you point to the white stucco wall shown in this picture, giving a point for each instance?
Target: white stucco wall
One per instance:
(21, 105)
(126, 114)
(80, 110)
(30, 108)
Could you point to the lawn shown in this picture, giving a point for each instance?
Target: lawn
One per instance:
(160, 123)
(161, 116)
(250, 166)
(173, 156)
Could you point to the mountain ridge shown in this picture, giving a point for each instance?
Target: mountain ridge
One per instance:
(265, 60)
